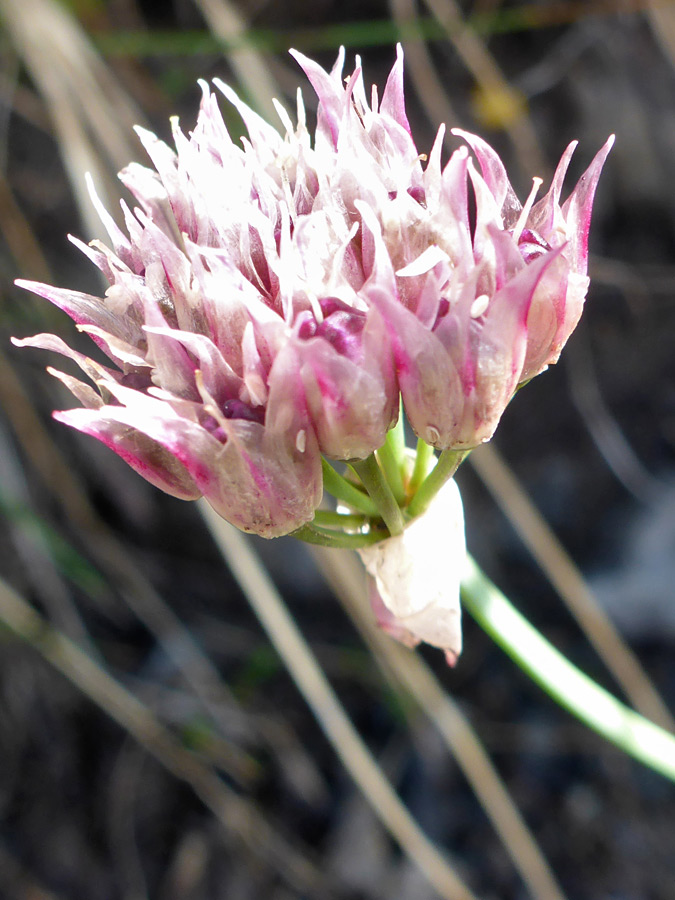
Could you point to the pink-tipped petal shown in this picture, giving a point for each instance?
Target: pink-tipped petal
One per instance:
(579, 205)
(85, 309)
(329, 91)
(393, 100)
(146, 456)
(428, 378)
(494, 174)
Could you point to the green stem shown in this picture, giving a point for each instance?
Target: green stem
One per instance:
(380, 493)
(313, 534)
(563, 681)
(344, 490)
(326, 518)
(423, 461)
(391, 457)
(446, 466)
(397, 435)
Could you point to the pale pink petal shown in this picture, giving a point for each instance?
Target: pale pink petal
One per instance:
(95, 371)
(498, 346)
(578, 207)
(114, 426)
(352, 404)
(266, 140)
(386, 620)
(495, 176)
(221, 382)
(393, 100)
(428, 378)
(84, 309)
(328, 89)
(546, 214)
(120, 241)
(83, 392)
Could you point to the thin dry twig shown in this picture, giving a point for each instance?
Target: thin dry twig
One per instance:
(82, 95)
(601, 424)
(19, 235)
(239, 816)
(110, 557)
(405, 669)
(568, 581)
(187, 870)
(32, 548)
(123, 794)
(330, 714)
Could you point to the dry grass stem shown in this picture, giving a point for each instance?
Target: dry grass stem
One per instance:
(406, 670)
(251, 69)
(124, 789)
(308, 676)
(240, 817)
(509, 108)
(92, 115)
(32, 548)
(601, 424)
(64, 64)
(19, 235)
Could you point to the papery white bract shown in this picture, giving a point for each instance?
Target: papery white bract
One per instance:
(415, 576)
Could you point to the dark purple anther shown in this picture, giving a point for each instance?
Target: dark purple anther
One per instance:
(237, 409)
(211, 425)
(343, 330)
(307, 327)
(418, 194)
(532, 245)
(341, 326)
(443, 309)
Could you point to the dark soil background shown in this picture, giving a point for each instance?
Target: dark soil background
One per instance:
(85, 812)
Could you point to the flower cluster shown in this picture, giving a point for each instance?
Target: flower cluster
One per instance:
(270, 302)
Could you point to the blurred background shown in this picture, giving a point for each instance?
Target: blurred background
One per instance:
(175, 758)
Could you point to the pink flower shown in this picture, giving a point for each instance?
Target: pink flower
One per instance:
(269, 303)
(235, 316)
(207, 395)
(471, 311)
(538, 229)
